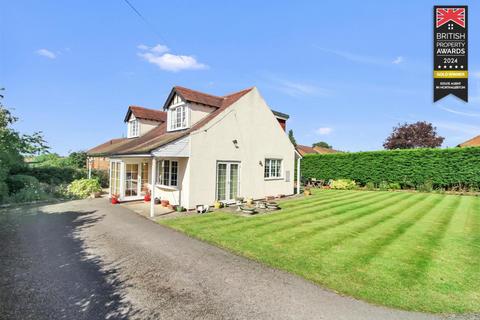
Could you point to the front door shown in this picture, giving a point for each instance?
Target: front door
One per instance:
(132, 178)
(228, 181)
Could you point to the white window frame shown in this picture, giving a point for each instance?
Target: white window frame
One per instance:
(174, 121)
(268, 172)
(161, 165)
(133, 128)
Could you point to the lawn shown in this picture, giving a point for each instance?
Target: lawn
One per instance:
(414, 251)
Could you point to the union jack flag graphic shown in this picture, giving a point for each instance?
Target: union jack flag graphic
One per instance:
(445, 15)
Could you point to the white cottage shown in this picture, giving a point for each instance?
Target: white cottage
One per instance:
(202, 148)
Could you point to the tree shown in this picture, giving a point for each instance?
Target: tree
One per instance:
(420, 134)
(322, 144)
(78, 159)
(14, 146)
(291, 137)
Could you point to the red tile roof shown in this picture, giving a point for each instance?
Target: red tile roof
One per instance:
(107, 147)
(303, 150)
(159, 135)
(199, 97)
(147, 114)
(474, 142)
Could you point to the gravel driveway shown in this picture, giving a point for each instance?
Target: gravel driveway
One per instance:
(91, 260)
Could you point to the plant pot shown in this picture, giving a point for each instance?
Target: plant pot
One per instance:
(114, 200)
(165, 203)
(156, 201)
(179, 209)
(249, 201)
(147, 198)
(261, 205)
(217, 205)
(272, 206)
(249, 210)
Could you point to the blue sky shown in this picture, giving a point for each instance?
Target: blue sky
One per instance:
(345, 71)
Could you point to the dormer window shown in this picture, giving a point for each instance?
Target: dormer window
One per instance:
(178, 117)
(133, 128)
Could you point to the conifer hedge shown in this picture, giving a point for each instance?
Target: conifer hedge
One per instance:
(443, 168)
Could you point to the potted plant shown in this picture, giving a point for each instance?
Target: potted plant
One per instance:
(147, 197)
(261, 205)
(156, 201)
(239, 200)
(164, 203)
(114, 199)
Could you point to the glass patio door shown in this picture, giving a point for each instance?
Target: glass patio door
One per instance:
(228, 181)
(131, 180)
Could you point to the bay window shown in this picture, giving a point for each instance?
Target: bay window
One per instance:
(167, 172)
(273, 168)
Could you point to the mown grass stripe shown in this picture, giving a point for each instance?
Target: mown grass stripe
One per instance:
(385, 239)
(422, 250)
(330, 241)
(307, 216)
(353, 214)
(281, 215)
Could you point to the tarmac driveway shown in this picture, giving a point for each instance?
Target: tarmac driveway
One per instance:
(91, 260)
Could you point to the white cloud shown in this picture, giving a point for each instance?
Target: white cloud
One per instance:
(398, 60)
(363, 59)
(46, 53)
(467, 114)
(324, 131)
(294, 88)
(158, 56)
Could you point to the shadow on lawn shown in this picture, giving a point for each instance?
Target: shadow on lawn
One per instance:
(45, 272)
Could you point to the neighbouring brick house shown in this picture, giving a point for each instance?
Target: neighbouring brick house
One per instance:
(303, 150)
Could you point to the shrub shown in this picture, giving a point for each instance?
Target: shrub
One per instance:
(82, 188)
(394, 186)
(17, 182)
(343, 184)
(29, 193)
(370, 186)
(427, 186)
(445, 168)
(383, 185)
(102, 176)
(54, 175)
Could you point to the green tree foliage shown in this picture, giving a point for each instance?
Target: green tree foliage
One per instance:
(443, 168)
(14, 146)
(322, 144)
(291, 137)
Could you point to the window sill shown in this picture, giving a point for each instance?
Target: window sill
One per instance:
(177, 129)
(164, 187)
(273, 179)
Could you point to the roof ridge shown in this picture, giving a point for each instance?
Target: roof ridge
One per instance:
(206, 94)
(237, 92)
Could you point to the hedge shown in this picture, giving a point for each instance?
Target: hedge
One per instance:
(443, 168)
